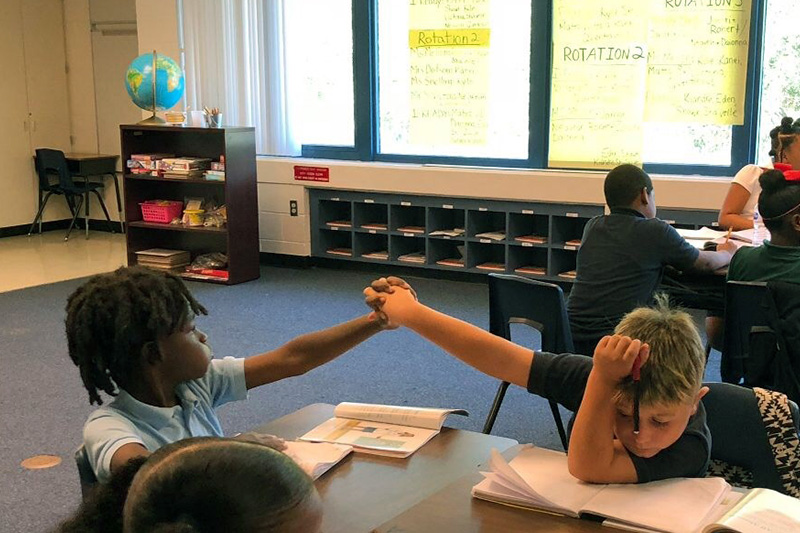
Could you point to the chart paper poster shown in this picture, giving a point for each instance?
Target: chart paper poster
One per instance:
(598, 80)
(698, 65)
(449, 71)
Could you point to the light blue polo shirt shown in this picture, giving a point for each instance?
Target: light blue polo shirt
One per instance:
(127, 420)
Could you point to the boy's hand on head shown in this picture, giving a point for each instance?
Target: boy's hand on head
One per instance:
(392, 307)
(614, 357)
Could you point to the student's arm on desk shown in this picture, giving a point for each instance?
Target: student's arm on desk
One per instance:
(476, 347)
(595, 454)
(709, 261)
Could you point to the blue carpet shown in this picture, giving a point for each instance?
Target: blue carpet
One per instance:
(43, 404)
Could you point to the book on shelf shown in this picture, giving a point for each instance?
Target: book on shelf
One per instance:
(538, 479)
(493, 235)
(389, 430)
(378, 254)
(163, 256)
(411, 229)
(184, 163)
(455, 232)
(150, 157)
(340, 251)
(182, 175)
(339, 223)
(452, 262)
(214, 175)
(573, 242)
(413, 257)
(571, 274)
(316, 458)
(210, 272)
(381, 226)
(539, 271)
(533, 239)
(490, 265)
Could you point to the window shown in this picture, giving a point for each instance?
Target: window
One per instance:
(487, 82)
(319, 65)
(780, 84)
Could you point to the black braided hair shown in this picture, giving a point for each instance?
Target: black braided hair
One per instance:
(111, 317)
(782, 136)
(778, 198)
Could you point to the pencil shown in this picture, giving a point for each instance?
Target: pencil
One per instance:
(637, 393)
(728, 236)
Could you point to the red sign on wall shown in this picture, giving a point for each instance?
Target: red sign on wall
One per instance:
(302, 173)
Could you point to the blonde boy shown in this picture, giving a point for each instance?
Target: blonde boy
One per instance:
(672, 441)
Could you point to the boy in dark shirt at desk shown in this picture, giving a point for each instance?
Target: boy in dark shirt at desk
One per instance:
(622, 257)
(672, 438)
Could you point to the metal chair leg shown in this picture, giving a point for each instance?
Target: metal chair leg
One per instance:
(74, 217)
(105, 211)
(559, 424)
(498, 400)
(39, 213)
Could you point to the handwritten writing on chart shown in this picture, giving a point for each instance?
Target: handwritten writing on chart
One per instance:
(449, 71)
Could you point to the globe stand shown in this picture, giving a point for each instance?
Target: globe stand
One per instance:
(153, 120)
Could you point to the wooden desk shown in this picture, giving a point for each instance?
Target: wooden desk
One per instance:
(364, 491)
(88, 165)
(454, 509)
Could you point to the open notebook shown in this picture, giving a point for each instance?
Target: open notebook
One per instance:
(538, 479)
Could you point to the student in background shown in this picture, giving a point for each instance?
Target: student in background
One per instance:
(622, 257)
(779, 258)
(737, 209)
(203, 484)
(132, 334)
(673, 439)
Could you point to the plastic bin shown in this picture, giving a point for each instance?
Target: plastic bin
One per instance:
(163, 211)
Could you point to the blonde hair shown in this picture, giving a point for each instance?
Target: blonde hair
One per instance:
(674, 371)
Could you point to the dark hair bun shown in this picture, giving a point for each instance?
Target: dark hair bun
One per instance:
(772, 181)
(786, 125)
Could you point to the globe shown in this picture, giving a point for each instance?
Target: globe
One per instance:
(169, 85)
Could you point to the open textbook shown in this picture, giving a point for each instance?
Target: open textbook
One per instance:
(699, 238)
(539, 479)
(381, 429)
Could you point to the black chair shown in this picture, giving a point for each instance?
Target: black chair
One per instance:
(518, 300)
(85, 473)
(52, 163)
(744, 315)
(740, 436)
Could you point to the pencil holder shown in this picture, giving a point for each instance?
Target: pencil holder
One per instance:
(215, 120)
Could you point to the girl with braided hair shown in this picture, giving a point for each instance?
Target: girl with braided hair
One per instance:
(132, 334)
(737, 209)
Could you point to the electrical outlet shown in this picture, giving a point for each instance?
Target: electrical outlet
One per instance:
(293, 208)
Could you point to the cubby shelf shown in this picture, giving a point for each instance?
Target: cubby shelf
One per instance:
(541, 239)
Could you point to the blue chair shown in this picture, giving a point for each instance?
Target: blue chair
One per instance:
(85, 473)
(518, 300)
(756, 438)
(53, 164)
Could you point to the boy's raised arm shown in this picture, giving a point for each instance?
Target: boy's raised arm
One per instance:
(478, 348)
(595, 455)
(309, 351)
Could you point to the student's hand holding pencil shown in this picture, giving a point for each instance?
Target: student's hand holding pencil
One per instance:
(615, 356)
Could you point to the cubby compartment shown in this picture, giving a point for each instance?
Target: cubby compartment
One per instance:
(527, 261)
(446, 223)
(528, 230)
(408, 219)
(335, 214)
(408, 250)
(371, 247)
(486, 225)
(567, 230)
(486, 257)
(562, 264)
(370, 216)
(335, 243)
(447, 253)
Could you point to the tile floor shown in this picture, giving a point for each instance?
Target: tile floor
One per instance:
(47, 258)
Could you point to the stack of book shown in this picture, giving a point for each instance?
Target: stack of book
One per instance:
(146, 164)
(163, 259)
(183, 167)
(413, 257)
(214, 175)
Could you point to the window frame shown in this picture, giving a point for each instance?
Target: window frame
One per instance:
(744, 138)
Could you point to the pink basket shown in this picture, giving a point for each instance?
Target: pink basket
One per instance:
(163, 211)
